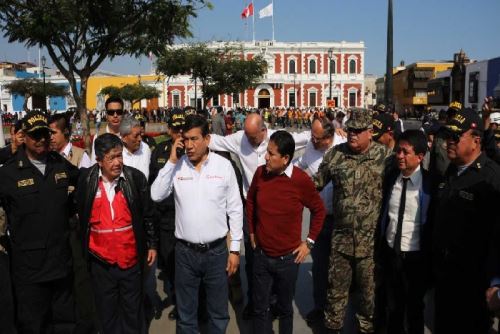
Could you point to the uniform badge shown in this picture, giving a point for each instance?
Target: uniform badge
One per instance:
(60, 176)
(357, 174)
(466, 195)
(25, 183)
(441, 185)
(162, 161)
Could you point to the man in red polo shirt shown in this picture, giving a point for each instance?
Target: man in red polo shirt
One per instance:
(277, 196)
(115, 210)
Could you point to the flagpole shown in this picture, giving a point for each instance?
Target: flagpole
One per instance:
(272, 3)
(253, 22)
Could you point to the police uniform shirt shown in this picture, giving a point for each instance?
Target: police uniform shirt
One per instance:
(410, 232)
(203, 199)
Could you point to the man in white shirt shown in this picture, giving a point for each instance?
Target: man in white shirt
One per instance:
(136, 153)
(250, 145)
(206, 198)
(323, 137)
(60, 142)
(404, 237)
(114, 114)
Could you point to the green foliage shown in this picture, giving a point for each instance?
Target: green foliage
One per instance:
(220, 71)
(80, 34)
(34, 87)
(131, 92)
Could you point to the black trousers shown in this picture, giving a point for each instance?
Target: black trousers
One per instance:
(46, 307)
(405, 285)
(6, 298)
(167, 259)
(119, 299)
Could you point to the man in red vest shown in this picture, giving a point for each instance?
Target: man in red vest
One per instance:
(119, 236)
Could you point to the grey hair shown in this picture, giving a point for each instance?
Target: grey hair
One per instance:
(127, 124)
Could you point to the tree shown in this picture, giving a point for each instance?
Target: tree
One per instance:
(133, 93)
(34, 87)
(220, 70)
(80, 34)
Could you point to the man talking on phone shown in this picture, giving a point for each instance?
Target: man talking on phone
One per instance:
(205, 193)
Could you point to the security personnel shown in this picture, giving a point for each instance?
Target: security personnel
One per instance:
(356, 169)
(165, 210)
(465, 245)
(34, 193)
(145, 138)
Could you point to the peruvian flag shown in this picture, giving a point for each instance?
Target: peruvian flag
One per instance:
(248, 11)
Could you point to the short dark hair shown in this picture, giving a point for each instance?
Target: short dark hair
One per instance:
(105, 143)
(62, 123)
(285, 143)
(112, 99)
(196, 121)
(416, 139)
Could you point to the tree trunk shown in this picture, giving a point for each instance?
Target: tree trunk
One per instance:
(25, 103)
(81, 105)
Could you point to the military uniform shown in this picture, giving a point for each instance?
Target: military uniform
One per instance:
(150, 141)
(357, 195)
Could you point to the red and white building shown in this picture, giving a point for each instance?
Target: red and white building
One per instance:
(298, 75)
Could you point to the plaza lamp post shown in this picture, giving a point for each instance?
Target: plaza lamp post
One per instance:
(330, 56)
(44, 61)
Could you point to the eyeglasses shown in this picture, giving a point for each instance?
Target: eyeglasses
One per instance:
(356, 131)
(112, 112)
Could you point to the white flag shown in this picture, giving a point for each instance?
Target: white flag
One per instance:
(266, 11)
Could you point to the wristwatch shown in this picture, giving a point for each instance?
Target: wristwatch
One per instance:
(310, 244)
(235, 253)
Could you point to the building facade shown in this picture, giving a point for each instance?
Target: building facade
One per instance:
(298, 76)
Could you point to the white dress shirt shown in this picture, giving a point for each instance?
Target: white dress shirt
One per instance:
(139, 159)
(410, 231)
(84, 163)
(92, 154)
(202, 199)
(251, 157)
(309, 162)
(110, 189)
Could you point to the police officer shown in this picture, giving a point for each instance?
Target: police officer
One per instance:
(465, 244)
(356, 169)
(165, 210)
(145, 138)
(34, 193)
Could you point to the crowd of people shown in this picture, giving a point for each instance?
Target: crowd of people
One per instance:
(394, 214)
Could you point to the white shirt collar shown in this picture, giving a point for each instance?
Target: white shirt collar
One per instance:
(138, 152)
(66, 150)
(415, 177)
(289, 170)
(115, 180)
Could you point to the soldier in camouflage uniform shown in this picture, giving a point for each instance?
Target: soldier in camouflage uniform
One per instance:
(356, 169)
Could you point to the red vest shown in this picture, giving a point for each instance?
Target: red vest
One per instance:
(112, 240)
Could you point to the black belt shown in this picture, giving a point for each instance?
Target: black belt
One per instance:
(202, 247)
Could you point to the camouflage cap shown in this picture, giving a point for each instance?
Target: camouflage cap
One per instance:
(360, 119)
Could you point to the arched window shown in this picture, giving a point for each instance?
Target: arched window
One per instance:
(312, 66)
(333, 66)
(352, 66)
(291, 66)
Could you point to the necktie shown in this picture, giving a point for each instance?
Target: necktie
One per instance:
(401, 212)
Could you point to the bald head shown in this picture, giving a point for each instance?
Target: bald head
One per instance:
(255, 129)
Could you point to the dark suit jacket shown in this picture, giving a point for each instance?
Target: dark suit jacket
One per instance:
(424, 202)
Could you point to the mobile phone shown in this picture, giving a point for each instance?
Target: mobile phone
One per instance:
(179, 151)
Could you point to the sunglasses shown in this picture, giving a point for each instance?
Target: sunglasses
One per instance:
(356, 131)
(112, 112)
(40, 134)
